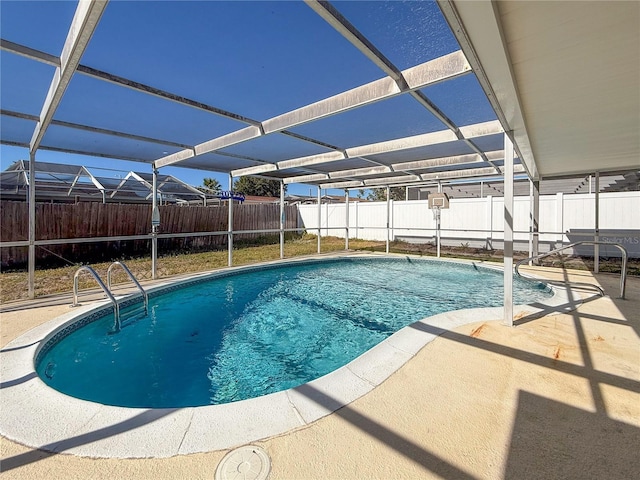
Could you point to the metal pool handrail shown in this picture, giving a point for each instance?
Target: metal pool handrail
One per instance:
(116, 307)
(623, 273)
(133, 279)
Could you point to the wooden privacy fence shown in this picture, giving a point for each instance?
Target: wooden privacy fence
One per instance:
(86, 220)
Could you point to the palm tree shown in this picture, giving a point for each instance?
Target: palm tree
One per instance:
(210, 185)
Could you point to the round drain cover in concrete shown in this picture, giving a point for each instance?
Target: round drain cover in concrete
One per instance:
(244, 463)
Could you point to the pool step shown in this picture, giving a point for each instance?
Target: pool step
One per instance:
(132, 314)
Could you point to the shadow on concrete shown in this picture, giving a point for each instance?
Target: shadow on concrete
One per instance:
(399, 443)
(541, 360)
(13, 349)
(552, 440)
(17, 381)
(46, 451)
(610, 283)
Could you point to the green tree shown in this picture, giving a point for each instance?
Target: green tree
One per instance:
(210, 185)
(257, 186)
(380, 194)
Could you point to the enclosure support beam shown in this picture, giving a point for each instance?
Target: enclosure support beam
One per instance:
(32, 225)
(155, 222)
(534, 219)
(596, 247)
(82, 27)
(319, 216)
(388, 215)
(346, 219)
(508, 231)
(282, 219)
(230, 224)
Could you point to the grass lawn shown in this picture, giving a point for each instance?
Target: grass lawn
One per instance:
(13, 284)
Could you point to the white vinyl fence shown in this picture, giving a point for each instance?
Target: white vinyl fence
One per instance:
(479, 222)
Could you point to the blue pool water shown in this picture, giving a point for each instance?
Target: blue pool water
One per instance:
(258, 332)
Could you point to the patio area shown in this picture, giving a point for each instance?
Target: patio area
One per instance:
(427, 95)
(552, 397)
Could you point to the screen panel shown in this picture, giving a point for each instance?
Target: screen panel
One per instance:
(396, 117)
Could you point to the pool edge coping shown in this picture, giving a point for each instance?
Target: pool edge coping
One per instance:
(101, 431)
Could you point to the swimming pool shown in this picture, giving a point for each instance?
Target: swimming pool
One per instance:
(39, 416)
(261, 331)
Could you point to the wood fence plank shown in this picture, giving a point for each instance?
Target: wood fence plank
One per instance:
(93, 219)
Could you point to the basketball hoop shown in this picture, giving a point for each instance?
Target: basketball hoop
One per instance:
(438, 200)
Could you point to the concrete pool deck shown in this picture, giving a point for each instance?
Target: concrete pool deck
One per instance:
(554, 397)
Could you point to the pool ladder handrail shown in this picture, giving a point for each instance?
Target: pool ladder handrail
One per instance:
(623, 273)
(133, 279)
(116, 307)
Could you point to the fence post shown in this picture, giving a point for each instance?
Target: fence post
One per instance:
(326, 209)
(489, 222)
(534, 219)
(357, 204)
(559, 218)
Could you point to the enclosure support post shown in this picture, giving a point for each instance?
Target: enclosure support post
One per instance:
(530, 220)
(230, 224)
(438, 212)
(489, 219)
(508, 231)
(346, 219)
(155, 221)
(282, 219)
(319, 216)
(388, 214)
(596, 247)
(32, 225)
(534, 215)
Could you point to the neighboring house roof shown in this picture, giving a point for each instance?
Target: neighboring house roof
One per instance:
(60, 182)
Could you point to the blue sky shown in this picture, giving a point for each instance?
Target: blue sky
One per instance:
(255, 59)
